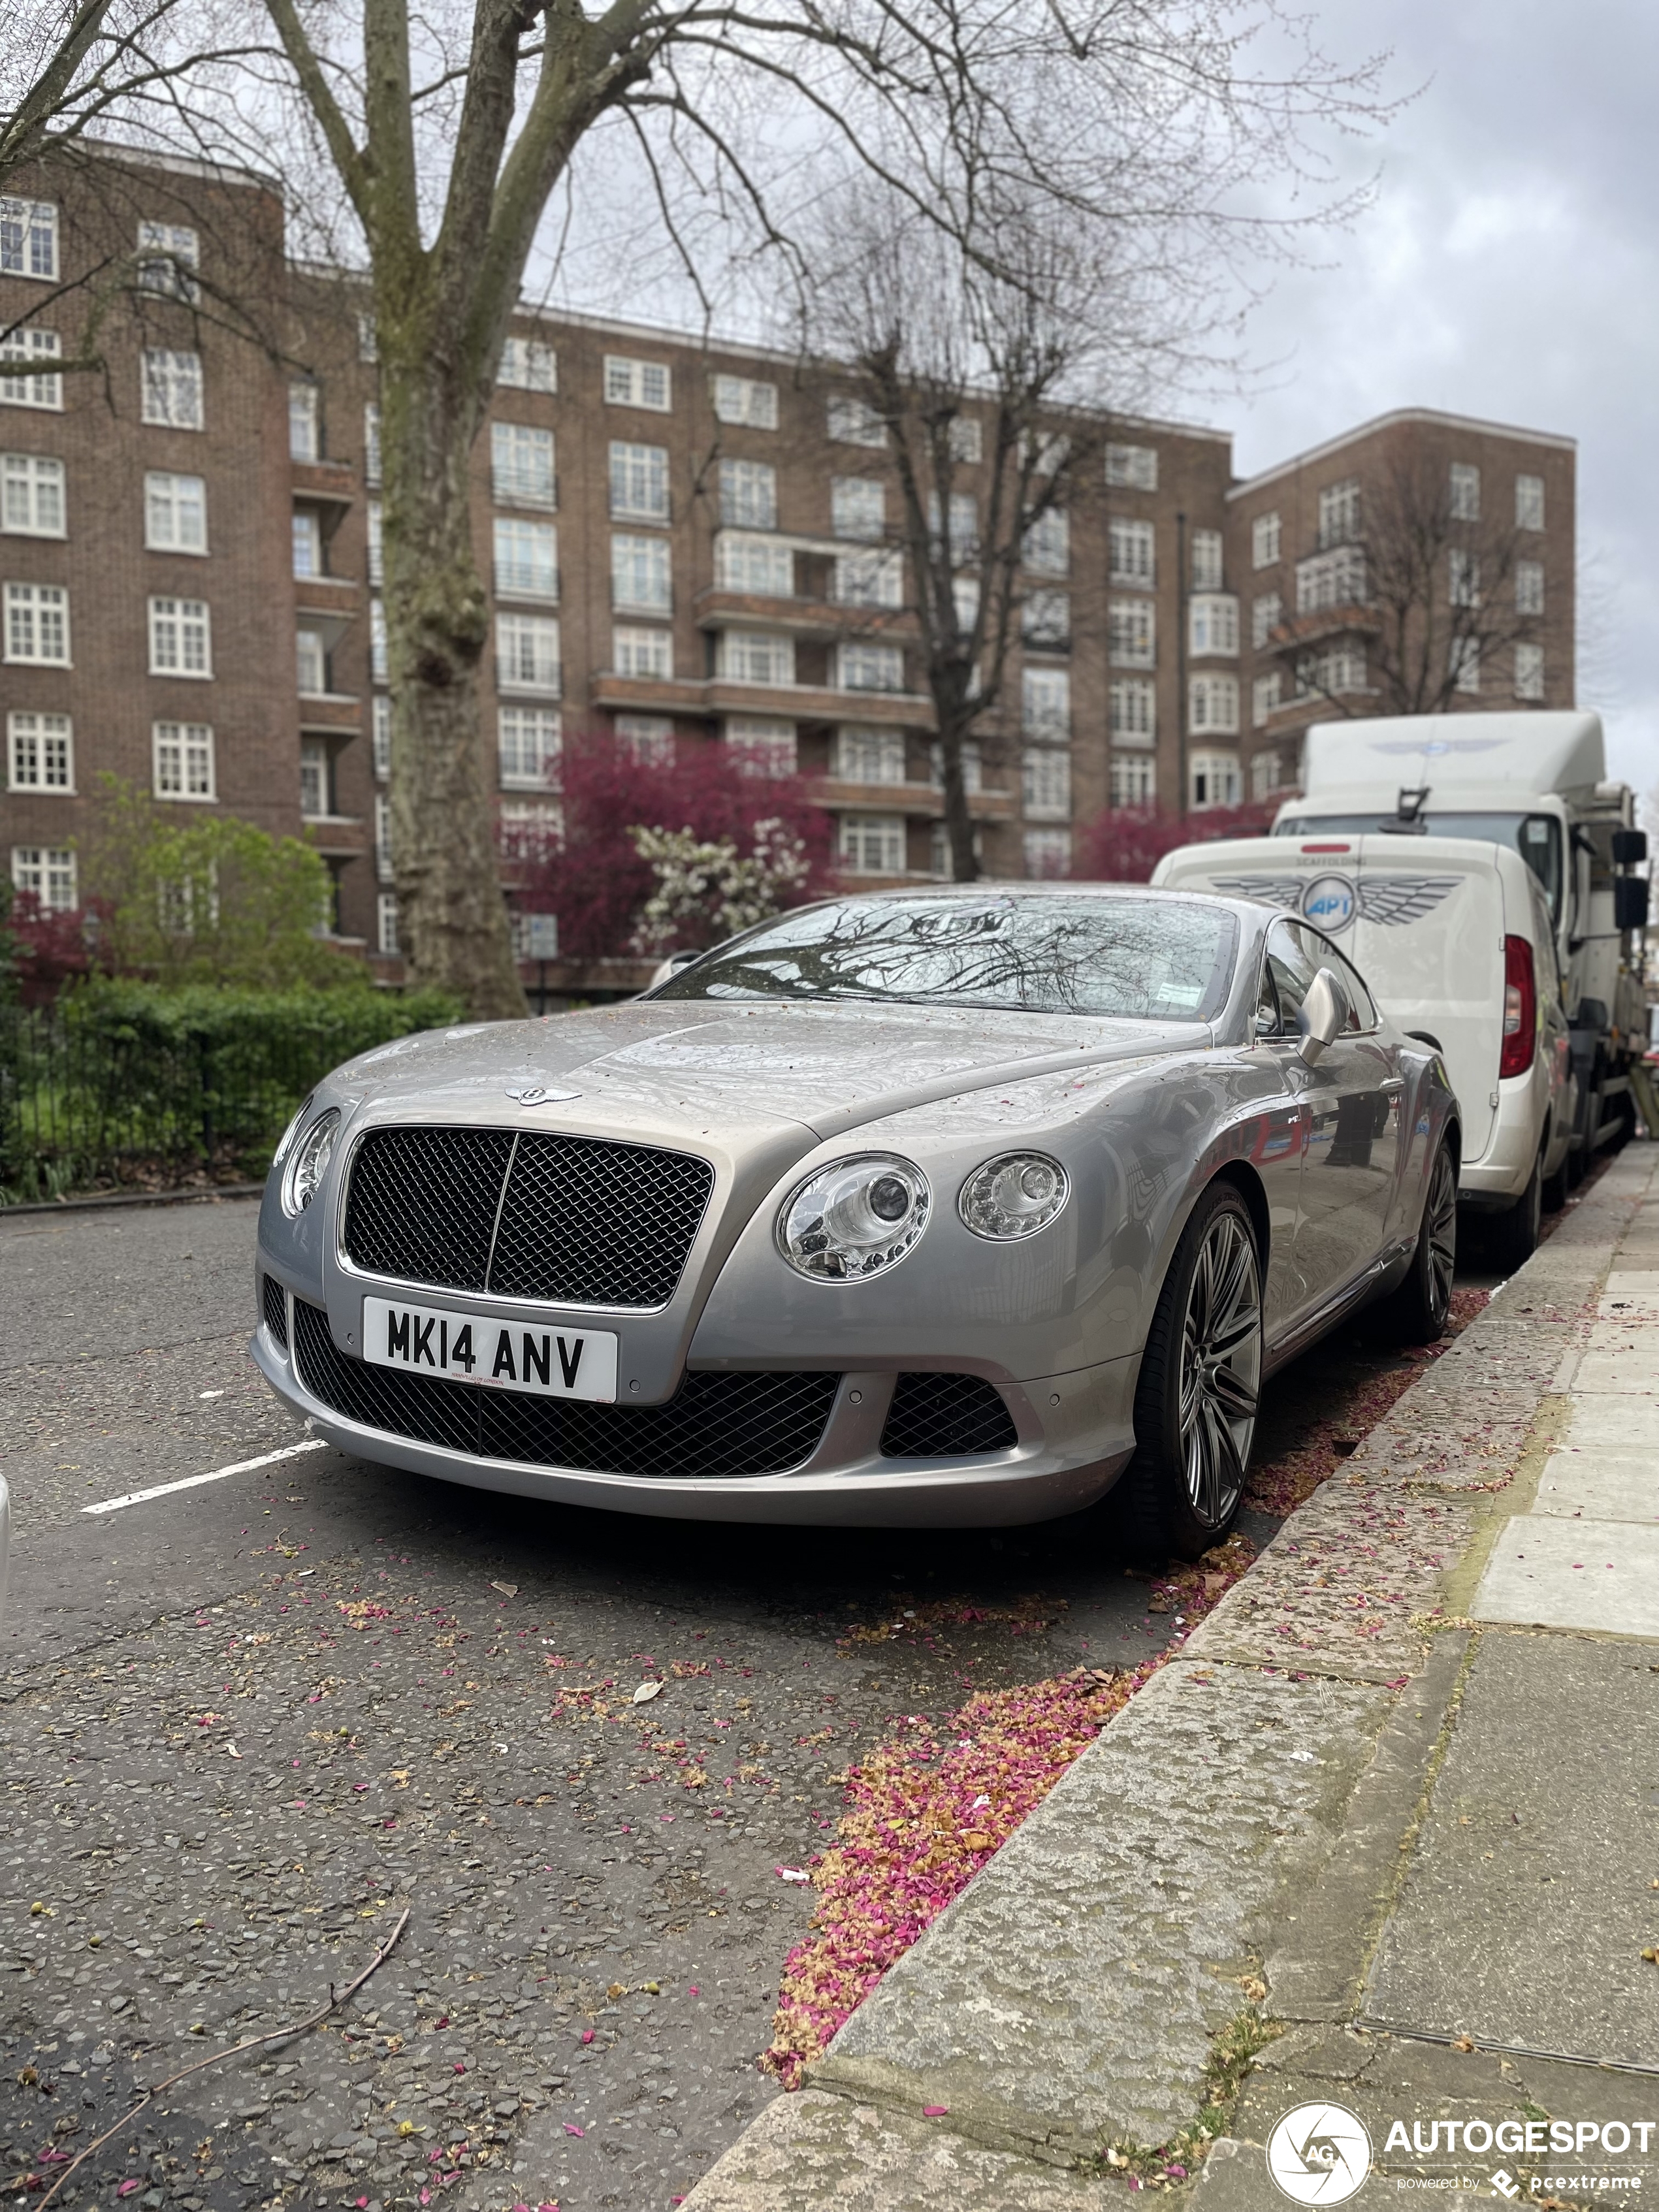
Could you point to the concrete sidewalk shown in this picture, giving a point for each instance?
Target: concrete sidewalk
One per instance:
(1404, 1776)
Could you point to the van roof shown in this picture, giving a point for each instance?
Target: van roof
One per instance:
(1287, 862)
(1520, 752)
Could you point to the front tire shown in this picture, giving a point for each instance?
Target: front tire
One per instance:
(1200, 1378)
(1419, 1310)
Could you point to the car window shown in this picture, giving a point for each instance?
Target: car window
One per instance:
(1267, 1002)
(1291, 972)
(1362, 1007)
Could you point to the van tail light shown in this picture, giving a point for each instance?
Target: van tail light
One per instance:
(1520, 1008)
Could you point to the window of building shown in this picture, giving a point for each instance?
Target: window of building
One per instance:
(1265, 773)
(384, 866)
(862, 666)
(641, 581)
(521, 464)
(528, 365)
(1267, 612)
(1213, 622)
(749, 495)
(175, 517)
(1265, 697)
(31, 495)
(965, 440)
(1045, 702)
(37, 625)
(630, 383)
(1132, 711)
(964, 599)
(380, 737)
(1048, 854)
(1132, 632)
(169, 254)
(746, 400)
(871, 577)
(314, 780)
(304, 443)
(638, 481)
(1214, 780)
(1339, 513)
(1465, 492)
(1529, 502)
(1046, 548)
(1045, 621)
(1528, 671)
(1327, 675)
(1133, 780)
(40, 753)
(528, 828)
(183, 760)
(1529, 587)
(758, 565)
(378, 658)
(1463, 661)
(28, 238)
(1133, 467)
(526, 558)
(642, 652)
(755, 656)
(963, 509)
(1129, 551)
(648, 739)
(1207, 559)
(1336, 579)
(369, 342)
(1265, 539)
(851, 422)
(761, 746)
(527, 653)
(857, 507)
(311, 663)
(1212, 703)
(372, 441)
(386, 918)
(526, 745)
(23, 386)
(868, 756)
(1463, 578)
(973, 768)
(375, 529)
(180, 638)
(873, 844)
(47, 870)
(307, 544)
(1046, 782)
(172, 389)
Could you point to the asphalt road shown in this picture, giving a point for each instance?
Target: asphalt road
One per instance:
(250, 1722)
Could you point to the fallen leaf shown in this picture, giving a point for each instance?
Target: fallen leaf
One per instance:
(1463, 2042)
(1253, 1987)
(1651, 1954)
(507, 1590)
(645, 1691)
(617, 1989)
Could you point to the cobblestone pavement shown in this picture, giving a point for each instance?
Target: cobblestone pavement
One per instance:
(249, 1723)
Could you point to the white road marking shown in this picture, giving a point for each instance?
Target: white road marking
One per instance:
(194, 1481)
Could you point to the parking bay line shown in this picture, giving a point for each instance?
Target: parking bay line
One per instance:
(194, 1481)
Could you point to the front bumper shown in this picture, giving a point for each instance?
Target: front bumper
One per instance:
(1074, 1436)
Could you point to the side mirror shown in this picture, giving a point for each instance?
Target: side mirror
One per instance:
(1630, 848)
(1630, 903)
(1324, 1017)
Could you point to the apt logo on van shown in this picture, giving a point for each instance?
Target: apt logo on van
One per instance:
(1331, 901)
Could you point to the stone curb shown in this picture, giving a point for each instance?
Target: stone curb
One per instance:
(62, 1208)
(1245, 1807)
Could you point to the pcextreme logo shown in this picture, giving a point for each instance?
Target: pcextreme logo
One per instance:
(1319, 2154)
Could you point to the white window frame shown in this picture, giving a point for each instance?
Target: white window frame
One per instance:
(1267, 612)
(1267, 696)
(1528, 670)
(172, 499)
(527, 742)
(385, 866)
(1045, 621)
(34, 613)
(1213, 625)
(868, 576)
(42, 391)
(1530, 509)
(749, 495)
(374, 540)
(1208, 557)
(28, 239)
(380, 736)
(1267, 773)
(171, 389)
(1267, 537)
(1045, 545)
(648, 739)
(744, 400)
(523, 466)
(1212, 706)
(1131, 468)
(45, 870)
(850, 421)
(314, 779)
(868, 757)
(638, 650)
(528, 656)
(1463, 577)
(762, 568)
(525, 559)
(630, 382)
(1132, 711)
(371, 442)
(310, 656)
(305, 420)
(528, 365)
(1131, 550)
(1328, 674)
(1133, 780)
(1045, 702)
(1335, 577)
(33, 495)
(182, 763)
(873, 845)
(1529, 587)
(642, 573)
(172, 276)
(866, 665)
(1207, 771)
(1046, 783)
(858, 507)
(386, 924)
(1339, 514)
(184, 628)
(762, 744)
(1463, 491)
(1132, 632)
(40, 753)
(1047, 855)
(638, 481)
(965, 440)
(379, 649)
(755, 656)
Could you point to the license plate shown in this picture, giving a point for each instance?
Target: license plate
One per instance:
(485, 1348)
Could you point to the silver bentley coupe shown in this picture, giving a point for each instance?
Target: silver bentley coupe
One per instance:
(954, 1205)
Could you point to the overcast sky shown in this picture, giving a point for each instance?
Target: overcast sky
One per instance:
(1510, 269)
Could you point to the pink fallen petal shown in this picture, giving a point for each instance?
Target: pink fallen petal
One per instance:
(587, 2035)
(127, 2188)
(571, 2128)
(934, 2112)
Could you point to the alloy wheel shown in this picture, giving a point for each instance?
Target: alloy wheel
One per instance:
(1220, 1369)
(1440, 1228)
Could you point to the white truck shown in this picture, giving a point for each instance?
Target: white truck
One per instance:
(1538, 782)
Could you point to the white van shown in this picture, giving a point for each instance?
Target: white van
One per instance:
(1454, 936)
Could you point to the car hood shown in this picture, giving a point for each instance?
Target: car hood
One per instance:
(684, 1065)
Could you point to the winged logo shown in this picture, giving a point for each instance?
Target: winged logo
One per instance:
(1392, 900)
(1272, 890)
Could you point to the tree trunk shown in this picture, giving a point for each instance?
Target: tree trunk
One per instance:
(452, 920)
(958, 822)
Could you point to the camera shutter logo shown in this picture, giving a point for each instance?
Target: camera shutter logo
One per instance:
(1319, 2154)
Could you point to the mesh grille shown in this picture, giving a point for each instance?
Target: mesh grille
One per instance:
(715, 1424)
(422, 1204)
(582, 1222)
(945, 1416)
(588, 1224)
(276, 1310)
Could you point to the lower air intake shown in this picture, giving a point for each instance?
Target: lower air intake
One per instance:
(946, 1417)
(274, 1301)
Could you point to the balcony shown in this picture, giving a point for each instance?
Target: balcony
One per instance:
(913, 798)
(718, 608)
(328, 484)
(331, 713)
(1321, 622)
(337, 836)
(795, 703)
(326, 604)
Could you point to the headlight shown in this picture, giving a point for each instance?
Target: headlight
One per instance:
(1014, 1196)
(310, 1160)
(291, 1132)
(854, 1218)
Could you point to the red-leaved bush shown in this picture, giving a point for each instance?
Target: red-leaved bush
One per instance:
(51, 949)
(1126, 844)
(592, 877)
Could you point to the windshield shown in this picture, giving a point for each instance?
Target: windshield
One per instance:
(1536, 837)
(1125, 958)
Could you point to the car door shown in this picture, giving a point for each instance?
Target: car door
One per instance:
(1351, 1099)
(1276, 1154)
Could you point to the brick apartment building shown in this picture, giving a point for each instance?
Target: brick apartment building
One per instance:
(682, 542)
